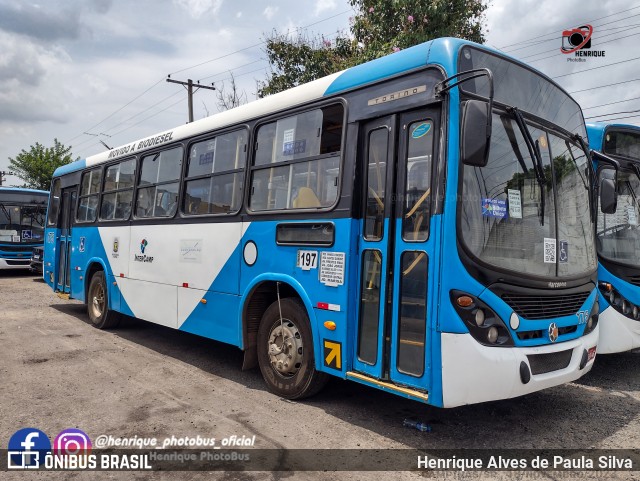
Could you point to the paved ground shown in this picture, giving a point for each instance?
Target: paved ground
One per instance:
(56, 372)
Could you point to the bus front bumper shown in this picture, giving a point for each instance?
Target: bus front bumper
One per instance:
(473, 373)
(15, 263)
(618, 333)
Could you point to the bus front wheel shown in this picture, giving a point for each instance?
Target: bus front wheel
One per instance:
(285, 351)
(98, 303)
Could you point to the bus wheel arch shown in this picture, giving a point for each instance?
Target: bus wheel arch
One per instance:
(257, 301)
(97, 299)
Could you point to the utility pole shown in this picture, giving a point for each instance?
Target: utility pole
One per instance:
(189, 86)
(2, 174)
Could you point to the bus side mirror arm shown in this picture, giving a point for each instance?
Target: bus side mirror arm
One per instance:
(607, 187)
(476, 117)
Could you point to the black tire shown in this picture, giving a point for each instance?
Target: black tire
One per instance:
(298, 379)
(98, 304)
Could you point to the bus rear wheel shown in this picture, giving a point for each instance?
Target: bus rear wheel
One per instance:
(285, 351)
(98, 303)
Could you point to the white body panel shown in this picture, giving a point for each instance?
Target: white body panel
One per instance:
(187, 254)
(473, 373)
(617, 332)
(154, 302)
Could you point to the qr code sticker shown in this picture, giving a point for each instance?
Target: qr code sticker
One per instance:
(549, 251)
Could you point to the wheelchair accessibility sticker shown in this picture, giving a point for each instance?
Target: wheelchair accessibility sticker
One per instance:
(563, 255)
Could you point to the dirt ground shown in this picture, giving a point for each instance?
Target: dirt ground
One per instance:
(58, 372)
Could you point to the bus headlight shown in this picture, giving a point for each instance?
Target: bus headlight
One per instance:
(619, 302)
(484, 325)
(592, 322)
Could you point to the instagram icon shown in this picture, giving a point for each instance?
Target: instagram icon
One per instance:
(71, 442)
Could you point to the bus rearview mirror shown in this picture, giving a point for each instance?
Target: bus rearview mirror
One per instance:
(475, 133)
(608, 196)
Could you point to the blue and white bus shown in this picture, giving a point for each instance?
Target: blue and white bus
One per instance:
(22, 216)
(618, 236)
(420, 224)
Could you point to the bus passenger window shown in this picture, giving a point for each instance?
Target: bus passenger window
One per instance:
(158, 186)
(303, 157)
(118, 191)
(215, 175)
(89, 196)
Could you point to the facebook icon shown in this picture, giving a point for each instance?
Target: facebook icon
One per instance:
(27, 449)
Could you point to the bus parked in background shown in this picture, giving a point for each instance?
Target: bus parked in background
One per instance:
(420, 224)
(618, 237)
(22, 219)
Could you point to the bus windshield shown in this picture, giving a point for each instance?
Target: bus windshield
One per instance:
(618, 235)
(516, 214)
(21, 223)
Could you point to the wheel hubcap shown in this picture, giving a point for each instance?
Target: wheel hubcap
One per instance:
(285, 348)
(97, 301)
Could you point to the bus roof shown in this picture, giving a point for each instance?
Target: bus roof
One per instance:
(595, 132)
(20, 190)
(441, 51)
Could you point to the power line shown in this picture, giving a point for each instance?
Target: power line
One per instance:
(611, 103)
(607, 85)
(555, 31)
(595, 68)
(556, 54)
(556, 38)
(613, 113)
(199, 64)
(258, 44)
(616, 118)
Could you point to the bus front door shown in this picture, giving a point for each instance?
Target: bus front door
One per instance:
(63, 283)
(396, 249)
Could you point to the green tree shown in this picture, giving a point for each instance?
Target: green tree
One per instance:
(36, 166)
(378, 28)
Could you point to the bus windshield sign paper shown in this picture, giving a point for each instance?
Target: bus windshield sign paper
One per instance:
(549, 250)
(332, 268)
(494, 208)
(515, 204)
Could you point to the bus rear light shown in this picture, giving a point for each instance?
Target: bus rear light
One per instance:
(185, 284)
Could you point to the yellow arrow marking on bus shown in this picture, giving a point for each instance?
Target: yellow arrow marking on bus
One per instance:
(332, 353)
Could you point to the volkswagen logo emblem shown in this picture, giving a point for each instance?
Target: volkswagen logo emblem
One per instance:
(553, 332)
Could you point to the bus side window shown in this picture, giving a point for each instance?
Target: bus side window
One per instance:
(118, 191)
(158, 186)
(89, 196)
(214, 176)
(54, 203)
(297, 161)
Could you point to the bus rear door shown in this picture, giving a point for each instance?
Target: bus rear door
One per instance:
(63, 282)
(396, 249)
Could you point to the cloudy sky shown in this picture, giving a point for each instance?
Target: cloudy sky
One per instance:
(83, 71)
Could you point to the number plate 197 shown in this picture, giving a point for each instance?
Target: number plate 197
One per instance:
(307, 260)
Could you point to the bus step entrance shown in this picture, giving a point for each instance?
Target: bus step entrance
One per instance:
(388, 386)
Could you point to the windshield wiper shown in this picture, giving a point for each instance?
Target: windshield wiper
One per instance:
(6, 213)
(534, 152)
